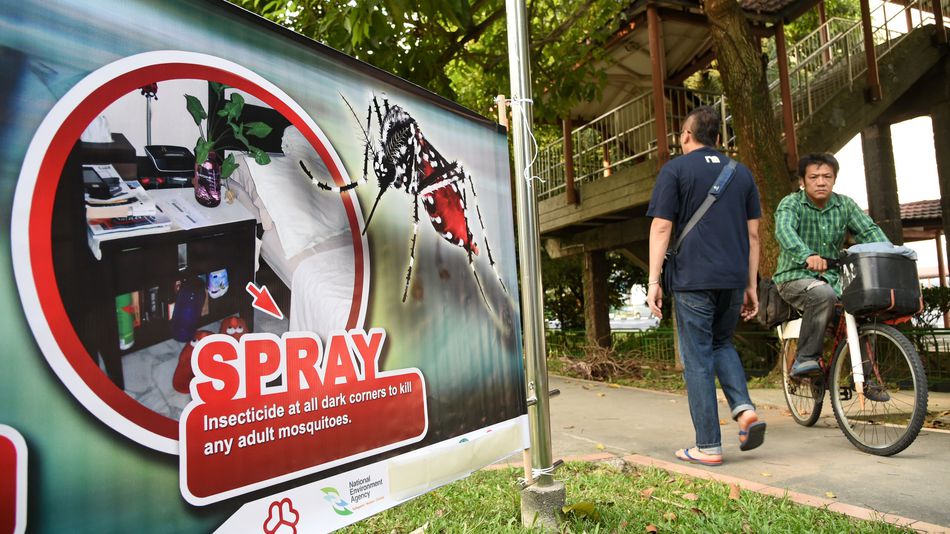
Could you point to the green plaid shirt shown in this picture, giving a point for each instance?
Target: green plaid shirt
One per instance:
(803, 230)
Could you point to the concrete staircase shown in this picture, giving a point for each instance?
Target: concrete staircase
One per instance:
(831, 105)
(829, 127)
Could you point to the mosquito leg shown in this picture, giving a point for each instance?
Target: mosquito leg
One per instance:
(379, 116)
(412, 246)
(369, 115)
(481, 223)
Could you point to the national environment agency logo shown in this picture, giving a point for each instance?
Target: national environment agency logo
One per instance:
(332, 496)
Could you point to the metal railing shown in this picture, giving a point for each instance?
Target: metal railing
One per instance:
(832, 57)
(623, 136)
(758, 350)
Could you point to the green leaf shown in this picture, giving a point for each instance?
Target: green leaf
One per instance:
(234, 107)
(261, 157)
(257, 129)
(202, 148)
(582, 509)
(238, 130)
(193, 105)
(218, 88)
(228, 166)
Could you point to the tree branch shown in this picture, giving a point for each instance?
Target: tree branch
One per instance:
(472, 34)
(556, 33)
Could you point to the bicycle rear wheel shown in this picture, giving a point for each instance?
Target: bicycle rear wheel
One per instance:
(895, 389)
(805, 395)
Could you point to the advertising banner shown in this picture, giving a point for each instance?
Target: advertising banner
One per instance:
(252, 284)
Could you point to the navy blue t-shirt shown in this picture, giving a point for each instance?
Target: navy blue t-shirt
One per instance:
(715, 253)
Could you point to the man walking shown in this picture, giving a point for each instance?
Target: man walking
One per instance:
(713, 280)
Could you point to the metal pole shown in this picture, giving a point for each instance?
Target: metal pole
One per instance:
(539, 414)
(722, 127)
(148, 120)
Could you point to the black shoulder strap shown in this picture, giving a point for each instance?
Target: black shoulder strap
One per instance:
(725, 176)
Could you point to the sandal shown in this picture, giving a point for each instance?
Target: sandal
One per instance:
(693, 460)
(754, 436)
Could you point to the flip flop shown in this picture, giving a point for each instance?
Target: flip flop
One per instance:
(755, 436)
(691, 460)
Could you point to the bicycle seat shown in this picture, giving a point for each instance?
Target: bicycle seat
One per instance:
(789, 329)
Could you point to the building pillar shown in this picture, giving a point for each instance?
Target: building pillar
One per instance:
(570, 190)
(938, 22)
(596, 303)
(822, 19)
(881, 177)
(940, 117)
(874, 80)
(788, 114)
(942, 271)
(657, 62)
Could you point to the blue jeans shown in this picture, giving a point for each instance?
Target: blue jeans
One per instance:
(705, 322)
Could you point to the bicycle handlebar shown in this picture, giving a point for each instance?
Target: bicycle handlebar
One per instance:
(833, 263)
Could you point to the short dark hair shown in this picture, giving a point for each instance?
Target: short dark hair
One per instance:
(817, 158)
(705, 126)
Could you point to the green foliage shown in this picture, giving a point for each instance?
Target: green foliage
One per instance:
(563, 290)
(936, 303)
(705, 80)
(563, 282)
(808, 22)
(459, 48)
(231, 113)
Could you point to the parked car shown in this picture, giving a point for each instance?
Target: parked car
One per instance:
(633, 323)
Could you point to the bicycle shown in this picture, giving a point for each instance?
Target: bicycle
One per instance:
(879, 399)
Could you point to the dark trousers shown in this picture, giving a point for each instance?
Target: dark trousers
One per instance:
(816, 300)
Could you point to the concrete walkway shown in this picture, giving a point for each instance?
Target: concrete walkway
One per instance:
(817, 465)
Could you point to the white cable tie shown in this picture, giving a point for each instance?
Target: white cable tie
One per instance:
(537, 472)
(528, 177)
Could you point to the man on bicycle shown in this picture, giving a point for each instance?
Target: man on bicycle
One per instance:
(810, 225)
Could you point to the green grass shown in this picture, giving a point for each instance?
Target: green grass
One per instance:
(627, 499)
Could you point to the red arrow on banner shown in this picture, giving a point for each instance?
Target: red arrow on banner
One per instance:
(264, 301)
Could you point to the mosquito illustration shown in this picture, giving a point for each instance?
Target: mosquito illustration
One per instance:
(405, 159)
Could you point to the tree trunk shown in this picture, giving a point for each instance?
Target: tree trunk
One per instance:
(757, 131)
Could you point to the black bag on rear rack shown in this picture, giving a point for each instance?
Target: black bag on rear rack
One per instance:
(773, 310)
(880, 284)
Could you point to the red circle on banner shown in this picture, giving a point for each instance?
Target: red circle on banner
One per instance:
(166, 66)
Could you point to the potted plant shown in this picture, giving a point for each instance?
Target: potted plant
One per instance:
(210, 168)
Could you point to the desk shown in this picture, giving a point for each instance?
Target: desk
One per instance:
(224, 240)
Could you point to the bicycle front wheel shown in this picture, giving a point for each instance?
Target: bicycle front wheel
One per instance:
(804, 395)
(889, 416)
